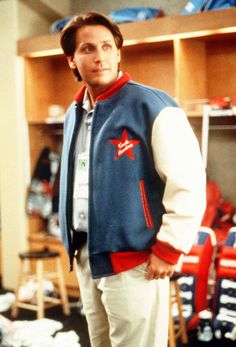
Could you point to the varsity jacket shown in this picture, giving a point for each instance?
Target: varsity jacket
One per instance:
(146, 179)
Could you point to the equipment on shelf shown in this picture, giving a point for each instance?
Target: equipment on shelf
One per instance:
(41, 190)
(194, 285)
(195, 6)
(224, 323)
(135, 14)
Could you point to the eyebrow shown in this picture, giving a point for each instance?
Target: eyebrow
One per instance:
(91, 43)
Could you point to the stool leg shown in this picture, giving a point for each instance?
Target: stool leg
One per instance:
(184, 336)
(62, 288)
(40, 295)
(172, 342)
(15, 310)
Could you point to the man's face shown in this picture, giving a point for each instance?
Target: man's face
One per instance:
(96, 57)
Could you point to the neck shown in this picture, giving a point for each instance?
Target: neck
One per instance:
(94, 92)
(108, 92)
(92, 98)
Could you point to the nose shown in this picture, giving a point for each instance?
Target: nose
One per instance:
(99, 55)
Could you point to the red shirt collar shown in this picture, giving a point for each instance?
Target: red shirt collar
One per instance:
(109, 92)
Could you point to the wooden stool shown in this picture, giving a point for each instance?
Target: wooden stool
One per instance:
(39, 259)
(176, 329)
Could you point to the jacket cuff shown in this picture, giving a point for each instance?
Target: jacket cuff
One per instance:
(166, 252)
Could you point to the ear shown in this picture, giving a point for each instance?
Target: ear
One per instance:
(71, 62)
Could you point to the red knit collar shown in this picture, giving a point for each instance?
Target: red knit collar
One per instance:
(109, 92)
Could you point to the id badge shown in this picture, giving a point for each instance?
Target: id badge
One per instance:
(81, 176)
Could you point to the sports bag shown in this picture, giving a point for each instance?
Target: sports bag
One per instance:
(134, 14)
(195, 6)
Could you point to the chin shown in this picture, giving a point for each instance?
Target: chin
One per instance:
(103, 82)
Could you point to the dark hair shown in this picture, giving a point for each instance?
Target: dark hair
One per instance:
(68, 33)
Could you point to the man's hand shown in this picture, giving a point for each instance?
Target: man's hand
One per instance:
(158, 268)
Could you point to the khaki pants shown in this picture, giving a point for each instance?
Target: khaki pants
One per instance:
(124, 310)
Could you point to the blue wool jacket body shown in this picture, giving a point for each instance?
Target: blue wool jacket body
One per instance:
(125, 190)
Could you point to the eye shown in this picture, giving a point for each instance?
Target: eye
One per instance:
(86, 49)
(107, 47)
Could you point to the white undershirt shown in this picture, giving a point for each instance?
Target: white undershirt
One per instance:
(81, 169)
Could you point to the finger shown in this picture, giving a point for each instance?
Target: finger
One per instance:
(170, 272)
(158, 275)
(162, 276)
(150, 273)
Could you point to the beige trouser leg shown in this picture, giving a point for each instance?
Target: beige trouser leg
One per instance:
(124, 310)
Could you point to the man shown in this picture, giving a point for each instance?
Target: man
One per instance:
(132, 191)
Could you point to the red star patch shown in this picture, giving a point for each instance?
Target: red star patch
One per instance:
(124, 145)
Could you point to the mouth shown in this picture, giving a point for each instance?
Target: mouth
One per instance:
(100, 70)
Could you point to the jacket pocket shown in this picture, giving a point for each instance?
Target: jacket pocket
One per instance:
(146, 209)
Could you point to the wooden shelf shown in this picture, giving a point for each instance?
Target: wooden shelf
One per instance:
(207, 24)
(166, 53)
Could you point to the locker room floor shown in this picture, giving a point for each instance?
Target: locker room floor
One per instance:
(77, 322)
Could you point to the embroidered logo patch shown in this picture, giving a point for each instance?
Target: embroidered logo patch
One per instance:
(124, 145)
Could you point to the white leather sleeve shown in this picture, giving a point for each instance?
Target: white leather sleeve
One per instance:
(178, 162)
